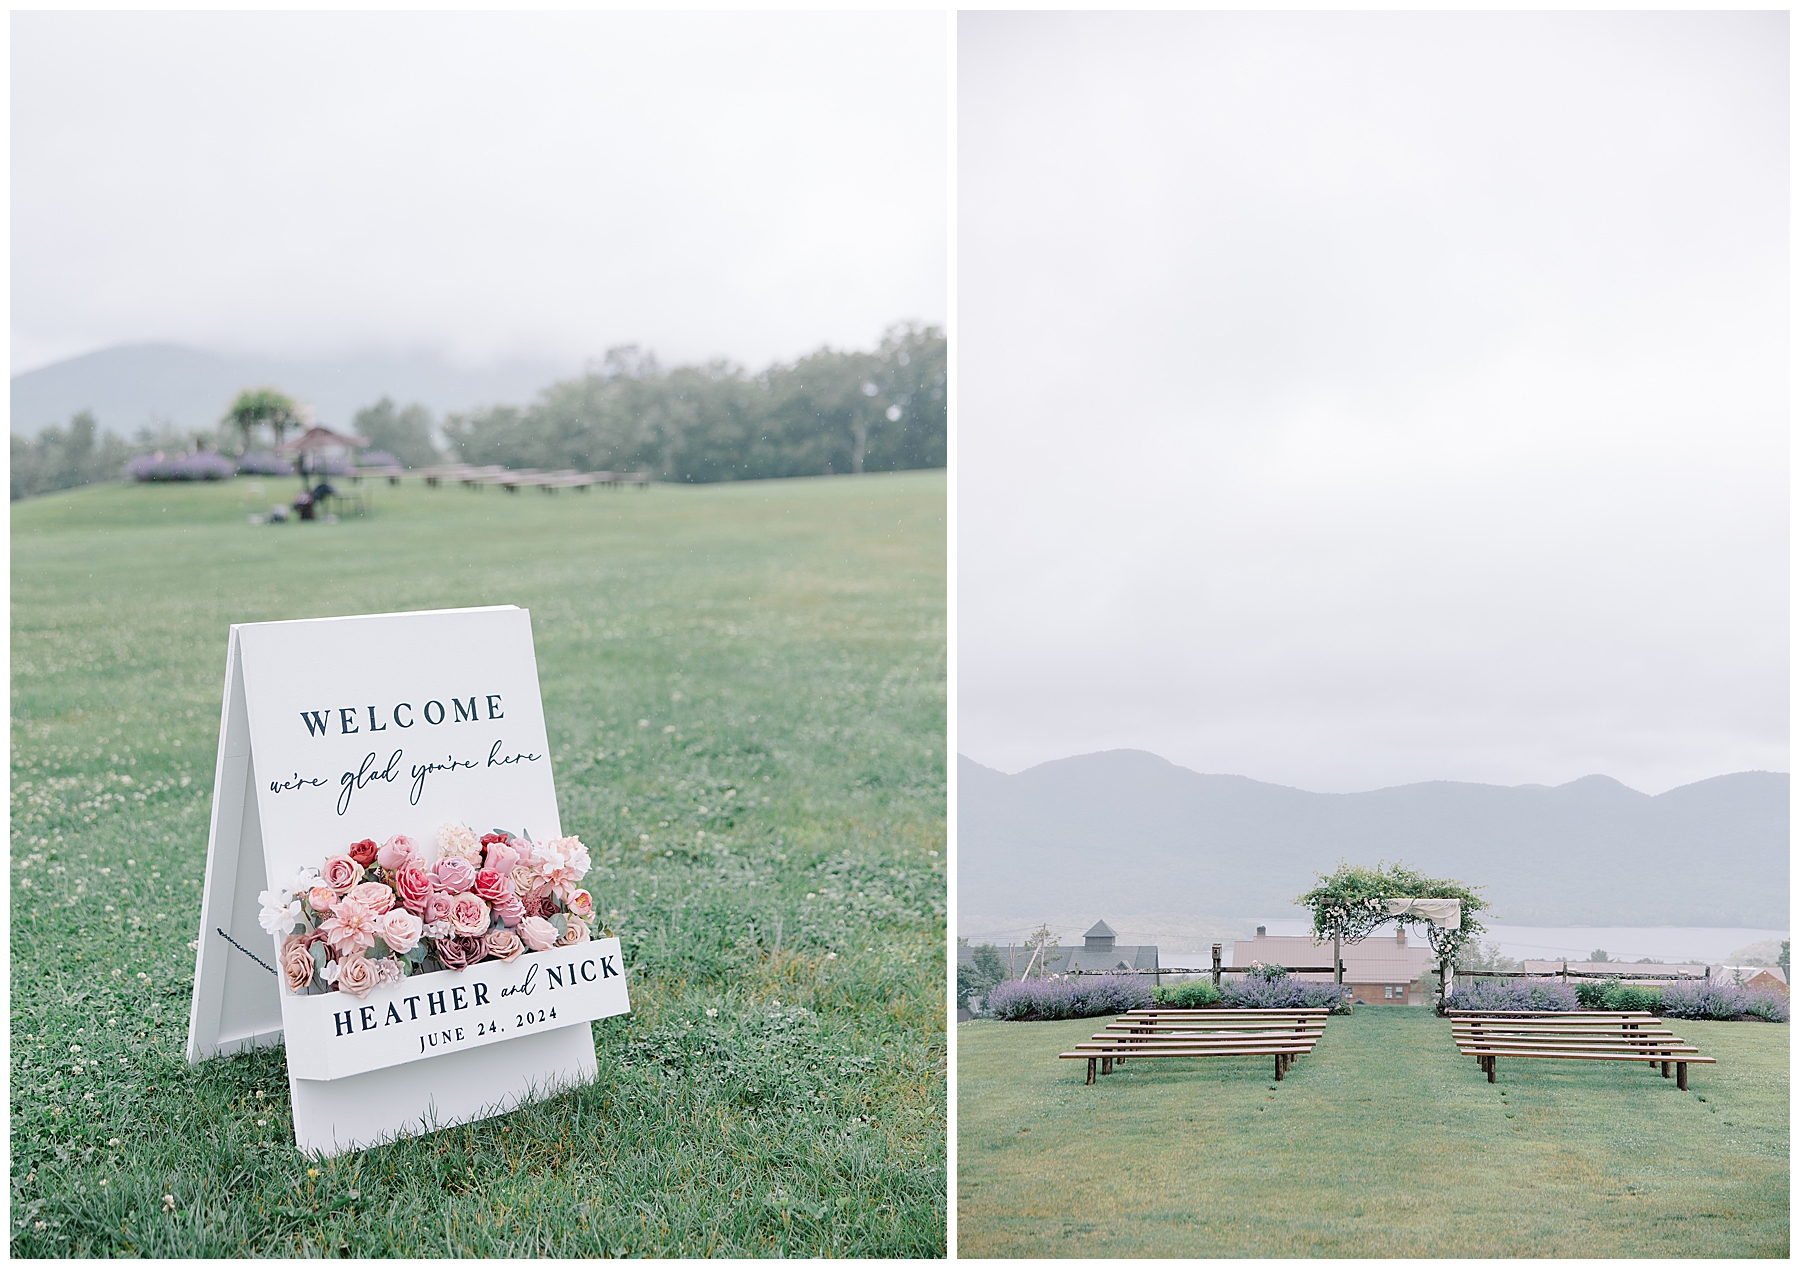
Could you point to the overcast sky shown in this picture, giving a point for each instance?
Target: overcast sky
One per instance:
(485, 185)
(1351, 400)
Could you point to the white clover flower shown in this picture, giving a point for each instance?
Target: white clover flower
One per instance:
(437, 930)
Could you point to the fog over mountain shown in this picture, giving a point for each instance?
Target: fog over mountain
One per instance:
(136, 385)
(1126, 830)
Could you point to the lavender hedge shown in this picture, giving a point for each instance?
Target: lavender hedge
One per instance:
(1721, 1001)
(184, 467)
(264, 464)
(1046, 999)
(1253, 991)
(1512, 993)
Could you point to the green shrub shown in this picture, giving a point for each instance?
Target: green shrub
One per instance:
(1592, 995)
(1190, 995)
(1627, 996)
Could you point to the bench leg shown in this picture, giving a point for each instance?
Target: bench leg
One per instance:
(1681, 1076)
(1106, 1066)
(1279, 1073)
(1091, 1065)
(1492, 1062)
(1665, 1067)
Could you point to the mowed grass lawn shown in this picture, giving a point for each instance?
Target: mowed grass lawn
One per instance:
(744, 687)
(1383, 1142)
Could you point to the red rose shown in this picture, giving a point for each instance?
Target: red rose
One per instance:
(363, 852)
(488, 839)
(490, 885)
(414, 885)
(545, 907)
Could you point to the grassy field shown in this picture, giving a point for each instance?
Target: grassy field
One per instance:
(1383, 1142)
(779, 1089)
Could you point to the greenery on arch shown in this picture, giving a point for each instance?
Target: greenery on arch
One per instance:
(1350, 903)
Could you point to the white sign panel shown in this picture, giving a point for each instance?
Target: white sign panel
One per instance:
(420, 731)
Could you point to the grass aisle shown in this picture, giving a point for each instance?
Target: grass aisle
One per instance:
(744, 689)
(1383, 1142)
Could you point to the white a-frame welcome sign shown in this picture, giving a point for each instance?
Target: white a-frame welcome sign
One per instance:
(425, 726)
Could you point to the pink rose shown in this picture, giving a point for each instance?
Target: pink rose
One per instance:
(460, 952)
(581, 903)
(524, 879)
(468, 915)
(576, 933)
(374, 896)
(297, 963)
(454, 875)
(437, 908)
(504, 945)
(394, 852)
(537, 933)
(341, 872)
(322, 899)
(400, 930)
(491, 885)
(414, 885)
(502, 858)
(357, 976)
(508, 910)
(350, 928)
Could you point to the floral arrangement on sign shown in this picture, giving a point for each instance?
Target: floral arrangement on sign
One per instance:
(376, 914)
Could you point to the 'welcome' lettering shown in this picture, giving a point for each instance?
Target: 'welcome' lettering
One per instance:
(318, 721)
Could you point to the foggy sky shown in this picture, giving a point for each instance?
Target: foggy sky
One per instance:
(1348, 400)
(484, 185)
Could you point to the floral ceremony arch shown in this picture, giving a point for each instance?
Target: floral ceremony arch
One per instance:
(1350, 903)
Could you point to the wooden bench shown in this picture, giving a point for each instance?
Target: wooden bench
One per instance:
(1594, 1036)
(447, 471)
(1278, 1033)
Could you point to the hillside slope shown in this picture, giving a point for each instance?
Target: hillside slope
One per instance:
(140, 385)
(1126, 830)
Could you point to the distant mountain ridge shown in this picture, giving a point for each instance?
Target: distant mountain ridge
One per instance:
(1126, 830)
(136, 385)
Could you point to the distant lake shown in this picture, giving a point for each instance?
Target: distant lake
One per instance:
(1693, 944)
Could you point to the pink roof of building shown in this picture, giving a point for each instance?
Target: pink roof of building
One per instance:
(1378, 959)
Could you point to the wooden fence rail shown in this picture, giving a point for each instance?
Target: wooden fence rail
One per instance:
(1565, 973)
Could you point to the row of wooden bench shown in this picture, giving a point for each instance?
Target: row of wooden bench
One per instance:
(1620, 1035)
(510, 479)
(1284, 1034)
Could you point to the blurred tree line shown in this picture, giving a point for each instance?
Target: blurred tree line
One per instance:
(59, 459)
(829, 412)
